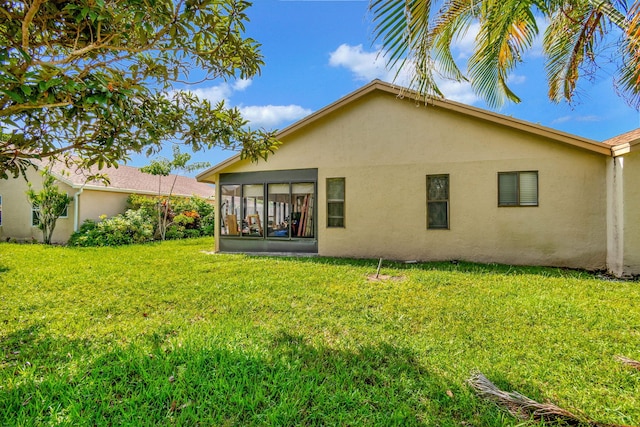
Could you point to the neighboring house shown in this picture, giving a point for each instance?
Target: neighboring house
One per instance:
(91, 199)
(379, 173)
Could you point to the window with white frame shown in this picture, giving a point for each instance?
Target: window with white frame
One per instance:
(518, 188)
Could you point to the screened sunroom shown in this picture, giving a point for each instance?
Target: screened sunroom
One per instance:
(271, 211)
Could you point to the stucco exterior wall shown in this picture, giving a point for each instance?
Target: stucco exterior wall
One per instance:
(93, 204)
(385, 147)
(631, 209)
(615, 216)
(16, 210)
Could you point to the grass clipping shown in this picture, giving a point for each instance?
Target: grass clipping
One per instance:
(524, 408)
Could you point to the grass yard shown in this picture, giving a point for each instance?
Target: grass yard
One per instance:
(166, 334)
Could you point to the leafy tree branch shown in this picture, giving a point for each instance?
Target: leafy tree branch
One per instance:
(95, 79)
(49, 204)
(165, 167)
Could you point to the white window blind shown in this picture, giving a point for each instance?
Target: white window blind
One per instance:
(528, 188)
(518, 188)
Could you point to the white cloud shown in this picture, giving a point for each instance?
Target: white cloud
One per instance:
(364, 65)
(270, 116)
(565, 119)
(221, 92)
(267, 116)
(371, 65)
(458, 91)
(242, 84)
(214, 94)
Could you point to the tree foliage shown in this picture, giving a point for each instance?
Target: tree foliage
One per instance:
(49, 204)
(165, 167)
(95, 78)
(419, 34)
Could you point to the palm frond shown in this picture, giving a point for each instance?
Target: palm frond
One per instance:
(606, 8)
(527, 409)
(569, 42)
(452, 22)
(403, 29)
(629, 71)
(521, 406)
(507, 29)
(391, 28)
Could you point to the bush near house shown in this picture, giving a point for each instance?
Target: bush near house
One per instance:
(125, 229)
(188, 217)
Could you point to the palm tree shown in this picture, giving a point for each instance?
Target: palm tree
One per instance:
(419, 34)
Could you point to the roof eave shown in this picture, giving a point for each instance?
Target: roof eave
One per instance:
(468, 110)
(553, 134)
(627, 147)
(208, 175)
(141, 192)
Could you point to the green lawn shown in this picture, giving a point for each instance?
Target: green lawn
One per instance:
(167, 334)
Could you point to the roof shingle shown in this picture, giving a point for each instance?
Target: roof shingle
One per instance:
(625, 138)
(131, 180)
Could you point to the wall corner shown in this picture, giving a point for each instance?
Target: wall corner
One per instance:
(615, 216)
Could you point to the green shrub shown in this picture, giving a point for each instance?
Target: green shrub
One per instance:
(197, 208)
(188, 218)
(175, 232)
(130, 227)
(191, 233)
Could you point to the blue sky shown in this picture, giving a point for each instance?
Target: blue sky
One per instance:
(317, 51)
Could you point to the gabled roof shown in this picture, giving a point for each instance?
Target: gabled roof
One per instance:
(622, 144)
(400, 92)
(128, 179)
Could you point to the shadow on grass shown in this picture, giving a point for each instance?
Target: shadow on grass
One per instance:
(13, 343)
(286, 382)
(447, 266)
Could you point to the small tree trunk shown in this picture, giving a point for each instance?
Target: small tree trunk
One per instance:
(164, 219)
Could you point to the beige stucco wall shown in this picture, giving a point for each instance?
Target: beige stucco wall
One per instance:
(16, 210)
(385, 147)
(94, 203)
(631, 209)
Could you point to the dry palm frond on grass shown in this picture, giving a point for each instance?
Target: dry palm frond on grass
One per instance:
(629, 362)
(527, 409)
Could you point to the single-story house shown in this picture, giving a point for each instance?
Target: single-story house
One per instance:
(91, 199)
(382, 173)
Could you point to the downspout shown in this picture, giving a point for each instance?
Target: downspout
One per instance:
(76, 209)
